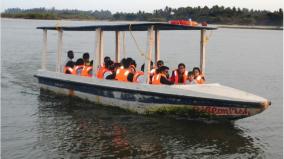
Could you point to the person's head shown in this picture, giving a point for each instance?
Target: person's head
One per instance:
(106, 59)
(133, 62)
(127, 62)
(86, 56)
(80, 61)
(190, 76)
(181, 67)
(123, 61)
(116, 66)
(196, 71)
(160, 63)
(108, 64)
(164, 70)
(70, 64)
(70, 54)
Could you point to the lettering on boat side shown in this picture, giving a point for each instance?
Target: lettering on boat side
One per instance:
(222, 110)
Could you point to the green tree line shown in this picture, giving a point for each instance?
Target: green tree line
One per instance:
(214, 15)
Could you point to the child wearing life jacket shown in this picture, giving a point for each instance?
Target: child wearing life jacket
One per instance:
(179, 76)
(191, 78)
(198, 77)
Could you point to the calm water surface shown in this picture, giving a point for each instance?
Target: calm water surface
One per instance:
(40, 124)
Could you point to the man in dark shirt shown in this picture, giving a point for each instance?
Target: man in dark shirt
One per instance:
(163, 80)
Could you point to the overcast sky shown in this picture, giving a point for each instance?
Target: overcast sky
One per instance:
(135, 5)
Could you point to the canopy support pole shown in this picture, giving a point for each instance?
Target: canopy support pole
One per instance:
(124, 45)
(202, 51)
(59, 51)
(101, 48)
(44, 50)
(150, 40)
(117, 46)
(157, 46)
(96, 63)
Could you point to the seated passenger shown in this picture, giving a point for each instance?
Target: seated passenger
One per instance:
(86, 58)
(69, 68)
(198, 77)
(70, 56)
(113, 69)
(124, 74)
(79, 66)
(190, 77)
(161, 77)
(151, 66)
(132, 65)
(87, 71)
(160, 63)
(179, 76)
(105, 68)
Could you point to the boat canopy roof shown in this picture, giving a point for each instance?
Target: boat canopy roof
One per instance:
(127, 27)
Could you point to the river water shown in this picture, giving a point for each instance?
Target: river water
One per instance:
(40, 124)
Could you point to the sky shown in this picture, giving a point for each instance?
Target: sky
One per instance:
(136, 5)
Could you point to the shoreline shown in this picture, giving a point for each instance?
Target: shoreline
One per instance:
(261, 27)
(226, 26)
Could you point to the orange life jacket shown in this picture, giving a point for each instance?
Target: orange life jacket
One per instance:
(136, 75)
(78, 69)
(101, 72)
(199, 79)
(87, 71)
(175, 77)
(122, 74)
(71, 70)
(156, 79)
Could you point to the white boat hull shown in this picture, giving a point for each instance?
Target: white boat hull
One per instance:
(186, 101)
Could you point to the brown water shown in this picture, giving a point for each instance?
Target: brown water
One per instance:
(38, 124)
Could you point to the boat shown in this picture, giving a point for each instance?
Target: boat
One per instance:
(205, 101)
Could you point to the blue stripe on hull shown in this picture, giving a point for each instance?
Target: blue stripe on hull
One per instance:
(142, 96)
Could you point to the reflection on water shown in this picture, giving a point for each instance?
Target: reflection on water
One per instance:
(71, 127)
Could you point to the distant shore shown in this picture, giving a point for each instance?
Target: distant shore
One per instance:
(250, 27)
(227, 26)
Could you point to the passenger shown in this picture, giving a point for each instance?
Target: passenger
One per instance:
(113, 69)
(161, 77)
(122, 62)
(70, 56)
(190, 77)
(105, 68)
(160, 63)
(179, 76)
(107, 58)
(151, 66)
(69, 67)
(133, 66)
(198, 77)
(86, 58)
(124, 74)
(79, 66)
(87, 71)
